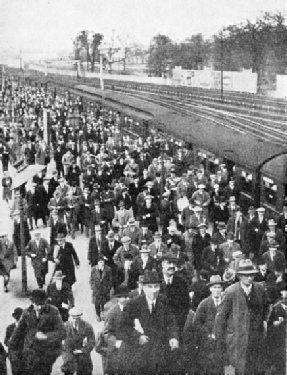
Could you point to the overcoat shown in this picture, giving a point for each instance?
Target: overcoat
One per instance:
(83, 339)
(233, 326)
(57, 297)
(101, 285)
(39, 354)
(160, 326)
(115, 360)
(68, 259)
(41, 252)
(8, 257)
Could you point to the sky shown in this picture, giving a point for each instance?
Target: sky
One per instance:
(52, 24)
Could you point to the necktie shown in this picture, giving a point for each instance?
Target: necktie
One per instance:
(152, 308)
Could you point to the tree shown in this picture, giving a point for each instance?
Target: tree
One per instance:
(95, 53)
(259, 45)
(82, 47)
(161, 52)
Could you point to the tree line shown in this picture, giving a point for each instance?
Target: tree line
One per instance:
(259, 45)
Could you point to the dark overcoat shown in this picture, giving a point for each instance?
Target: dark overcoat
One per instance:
(101, 285)
(16, 235)
(57, 297)
(68, 258)
(8, 257)
(160, 326)
(39, 355)
(234, 330)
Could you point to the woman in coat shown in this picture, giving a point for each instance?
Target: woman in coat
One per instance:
(8, 258)
(66, 258)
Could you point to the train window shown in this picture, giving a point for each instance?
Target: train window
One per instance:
(270, 190)
(246, 182)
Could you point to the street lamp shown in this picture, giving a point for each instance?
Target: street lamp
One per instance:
(24, 174)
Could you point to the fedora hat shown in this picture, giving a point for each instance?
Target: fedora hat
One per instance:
(61, 236)
(245, 267)
(171, 257)
(39, 296)
(272, 223)
(260, 209)
(126, 239)
(76, 312)
(151, 277)
(229, 275)
(131, 221)
(144, 249)
(214, 280)
(59, 275)
(121, 291)
(17, 313)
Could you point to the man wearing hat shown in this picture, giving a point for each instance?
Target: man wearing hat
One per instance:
(66, 258)
(229, 247)
(42, 331)
(86, 204)
(158, 247)
(125, 197)
(97, 216)
(38, 250)
(132, 231)
(276, 232)
(101, 282)
(60, 294)
(78, 344)
(144, 235)
(273, 256)
(95, 245)
(220, 234)
(122, 216)
(33, 201)
(270, 236)
(71, 211)
(202, 330)
(149, 213)
(57, 203)
(126, 247)
(144, 261)
(197, 217)
(15, 356)
(241, 322)
(172, 237)
(67, 161)
(201, 198)
(200, 242)
(220, 211)
(116, 359)
(57, 226)
(175, 288)
(212, 258)
(231, 190)
(186, 214)
(237, 224)
(154, 336)
(259, 226)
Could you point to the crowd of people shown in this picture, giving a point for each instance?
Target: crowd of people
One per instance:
(197, 280)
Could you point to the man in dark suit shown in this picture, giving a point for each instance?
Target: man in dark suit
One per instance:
(259, 226)
(109, 248)
(200, 242)
(149, 329)
(175, 288)
(101, 283)
(241, 322)
(201, 330)
(273, 256)
(95, 245)
(237, 225)
(15, 356)
(38, 249)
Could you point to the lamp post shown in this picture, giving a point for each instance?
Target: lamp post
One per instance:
(24, 174)
(162, 150)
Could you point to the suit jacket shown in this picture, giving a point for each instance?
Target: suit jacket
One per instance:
(160, 326)
(239, 230)
(94, 250)
(213, 261)
(119, 257)
(122, 217)
(233, 325)
(199, 243)
(133, 235)
(279, 236)
(40, 262)
(68, 259)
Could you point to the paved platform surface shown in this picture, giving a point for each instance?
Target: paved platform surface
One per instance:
(15, 298)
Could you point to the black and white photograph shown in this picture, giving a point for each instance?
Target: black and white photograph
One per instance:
(143, 203)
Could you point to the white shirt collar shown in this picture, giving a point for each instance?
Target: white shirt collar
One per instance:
(168, 280)
(246, 289)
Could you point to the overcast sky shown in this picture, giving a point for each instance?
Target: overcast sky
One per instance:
(51, 24)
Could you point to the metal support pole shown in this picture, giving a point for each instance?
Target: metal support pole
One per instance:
(22, 243)
(161, 179)
(257, 189)
(221, 71)
(101, 72)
